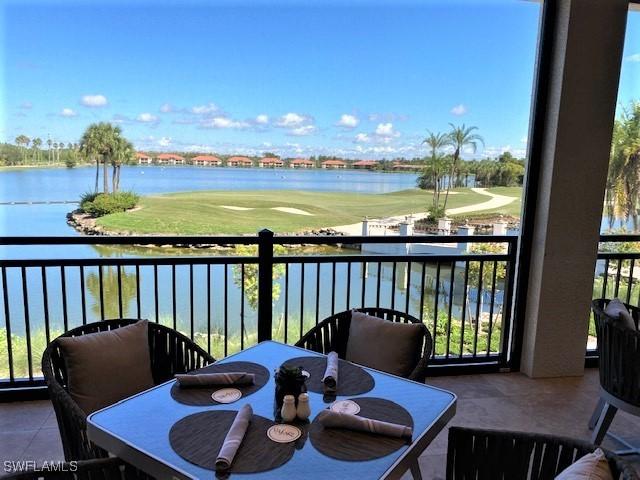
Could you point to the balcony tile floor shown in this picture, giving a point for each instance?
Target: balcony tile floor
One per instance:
(561, 406)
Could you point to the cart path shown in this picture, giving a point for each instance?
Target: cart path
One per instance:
(496, 201)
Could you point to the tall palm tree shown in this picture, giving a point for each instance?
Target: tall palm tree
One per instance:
(460, 138)
(123, 154)
(36, 143)
(23, 141)
(436, 163)
(49, 143)
(99, 141)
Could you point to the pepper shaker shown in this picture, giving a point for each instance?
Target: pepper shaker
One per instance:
(288, 411)
(303, 411)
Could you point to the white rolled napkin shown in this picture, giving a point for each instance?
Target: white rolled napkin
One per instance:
(331, 419)
(210, 379)
(234, 438)
(330, 379)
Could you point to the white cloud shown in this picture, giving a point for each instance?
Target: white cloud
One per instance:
(166, 108)
(362, 138)
(207, 109)
(223, 122)
(632, 58)
(262, 119)
(386, 130)
(68, 112)
(459, 110)
(292, 120)
(26, 105)
(94, 101)
(164, 141)
(302, 131)
(147, 118)
(348, 121)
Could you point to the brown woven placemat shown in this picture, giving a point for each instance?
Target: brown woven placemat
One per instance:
(352, 379)
(201, 396)
(198, 438)
(343, 444)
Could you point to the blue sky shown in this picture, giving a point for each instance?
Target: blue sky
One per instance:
(357, 79)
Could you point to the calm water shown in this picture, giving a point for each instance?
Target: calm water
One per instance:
(212, 311)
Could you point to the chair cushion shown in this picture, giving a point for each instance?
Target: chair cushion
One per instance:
(593, 466)
(388, 346)
(105, 367)
(618, 311)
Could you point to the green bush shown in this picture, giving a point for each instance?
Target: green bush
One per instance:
(101, 204)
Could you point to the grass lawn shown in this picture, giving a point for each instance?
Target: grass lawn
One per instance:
(202, 213)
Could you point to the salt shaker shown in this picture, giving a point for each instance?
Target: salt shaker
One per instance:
(303, 411)
(288, 411)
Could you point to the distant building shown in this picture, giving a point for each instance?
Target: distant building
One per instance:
(333, 164)
(402, 166)
(302, 163)
(239, 162)
(170, 159)
(365, 164)
(143, 158)
(206, 161)
(270, 162)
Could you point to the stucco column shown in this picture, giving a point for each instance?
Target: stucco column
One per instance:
(576, 141)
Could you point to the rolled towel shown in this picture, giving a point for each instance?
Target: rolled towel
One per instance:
(330, 379)
(210, 379)
(331, 419)
(234, 438)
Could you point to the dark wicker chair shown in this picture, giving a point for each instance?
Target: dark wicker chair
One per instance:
(491, 454)
(100, 469)
(332, 334)
(619, 352)
(171, 353)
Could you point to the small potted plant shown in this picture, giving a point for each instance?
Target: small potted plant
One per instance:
(289, 381)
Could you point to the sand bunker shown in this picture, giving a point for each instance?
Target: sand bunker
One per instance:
(294, 211)
(233, 207)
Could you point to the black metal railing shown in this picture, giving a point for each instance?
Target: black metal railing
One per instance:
(617, 275)
(267, 287)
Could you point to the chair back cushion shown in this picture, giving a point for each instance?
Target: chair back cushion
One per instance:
(593, 466)
(617, 311)
(105, 367)
(387, 346)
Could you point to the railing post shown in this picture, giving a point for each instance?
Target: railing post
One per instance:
(265, 284)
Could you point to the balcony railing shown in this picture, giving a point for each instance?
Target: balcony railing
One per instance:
(617, 274)
(273, 287)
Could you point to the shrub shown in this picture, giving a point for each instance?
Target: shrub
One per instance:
(102, 204)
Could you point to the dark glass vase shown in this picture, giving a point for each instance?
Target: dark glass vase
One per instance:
(289, 381)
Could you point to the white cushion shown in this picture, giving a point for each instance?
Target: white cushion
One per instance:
(593, 466)
(617, 310)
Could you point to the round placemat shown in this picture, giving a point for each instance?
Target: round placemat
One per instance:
(198, 438)
(201, 396)
(343, 444)
(352, 379)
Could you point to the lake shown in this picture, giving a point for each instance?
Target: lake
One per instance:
(311, 292)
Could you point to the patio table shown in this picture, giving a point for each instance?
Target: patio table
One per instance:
(137, 429)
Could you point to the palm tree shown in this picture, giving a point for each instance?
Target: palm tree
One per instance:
(123, 154)
(23, 141)
(36, 144)
(436, 163)
(460, 138)
(49, 143)
(100, 142)
(623, 182)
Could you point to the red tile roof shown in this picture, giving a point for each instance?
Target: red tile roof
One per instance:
(169, 156)
(302, 161)
(240, 159)
(142, 155)
(365, 163)
(333, 162)
(210, 158)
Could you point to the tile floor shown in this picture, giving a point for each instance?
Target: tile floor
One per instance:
(561, 406)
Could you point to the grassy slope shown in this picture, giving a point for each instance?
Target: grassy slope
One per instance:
(201, 212)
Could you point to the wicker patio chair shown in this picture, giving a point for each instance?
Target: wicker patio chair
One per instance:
(619, 352)
(332, 334)
(100, 469)
(493, 454)
(170, 351)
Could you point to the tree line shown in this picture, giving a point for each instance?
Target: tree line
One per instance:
(32, 152)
